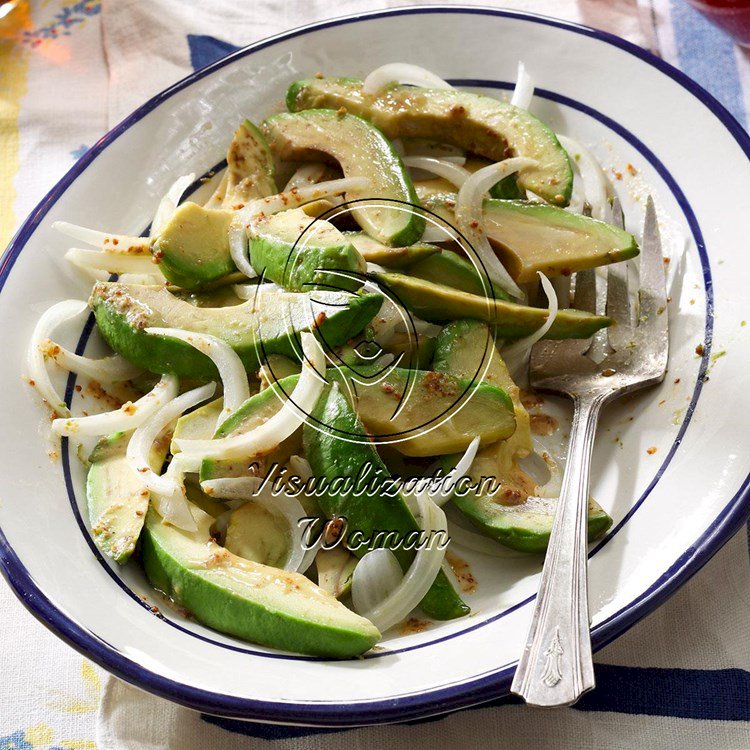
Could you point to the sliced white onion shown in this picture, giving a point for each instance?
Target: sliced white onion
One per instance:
(128, 417)
(444, 168)
(248, 291)
(169, 203)
(142, 279)
(113, 369)
(444, 492)
(238, 245)
(170, 492)
(307, 174)
(281, 425)
(434, 232)
(299, 196)
(375, 578)
(173, 506)
(110, 262)
(281, 504)
(216, 199)
(420, 576)
(405, 73)
(595, 186)
(93, 274)
(114, 243)
(231, 370)
(300, 467)
(35, 359)
(470, 220)
(561, 285)
(516, 355)
(523, 93)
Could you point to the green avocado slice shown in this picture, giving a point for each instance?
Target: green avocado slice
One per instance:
(439, 303)
(257, 603)
(250, 168)
(265, 325)
(454, 270)
(480, 124)
(330, 457)
(525, 526)
(300, 253)
(192, 250)
(390, 257)
(362, 151)
(440, 414)
(531, 237)
(117, 500)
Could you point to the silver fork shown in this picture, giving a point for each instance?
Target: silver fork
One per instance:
(556, 667)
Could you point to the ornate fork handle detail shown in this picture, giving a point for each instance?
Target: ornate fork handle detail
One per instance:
(556, 666)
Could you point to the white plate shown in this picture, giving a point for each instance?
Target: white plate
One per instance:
(673, 508)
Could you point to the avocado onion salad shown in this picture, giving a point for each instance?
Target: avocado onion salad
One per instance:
(255, 372)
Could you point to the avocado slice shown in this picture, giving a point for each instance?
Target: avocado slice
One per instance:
(257, 603)
(390, 257)
(363, 151)
(479, 124)
(462, 348)
(192, 250)
(468, 349)
(117, 500)
(257, 534)
(199, 424)
(331, 457)
(335, 568)
(531, 237)
(525, 526)
(260, 326)
(298, 252)
(441, 413)
(439, 303)
(250, 168)
(452, 269)
(258, 409)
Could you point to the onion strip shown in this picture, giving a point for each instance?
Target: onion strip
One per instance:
(523, 93)
(128, 417)
(517, 353)
(298, 559)
(469, 216)
(448, 483)
(35, 359)
(231, 370)
(454, 173)
(375, 578)
(403, 73)
(307, 174)
(592, 175)
(281, 425)
(420, 576)
(168, 204)
(114, 243)
(115, 369)
(168, 492)
(110, 262)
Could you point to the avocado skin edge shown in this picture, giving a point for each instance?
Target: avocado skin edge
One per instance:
(162, 355)
(228, 612)
(518, 537)
(330, 457)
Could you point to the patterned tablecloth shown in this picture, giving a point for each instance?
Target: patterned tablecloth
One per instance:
(68, 72)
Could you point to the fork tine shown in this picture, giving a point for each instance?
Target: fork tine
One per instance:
(585, 291)
(652, 297)
(652, 260)
(618, 300)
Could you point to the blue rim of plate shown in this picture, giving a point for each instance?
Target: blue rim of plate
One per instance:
(409, 707)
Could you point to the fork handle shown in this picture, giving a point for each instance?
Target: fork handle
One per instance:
(556, 667)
